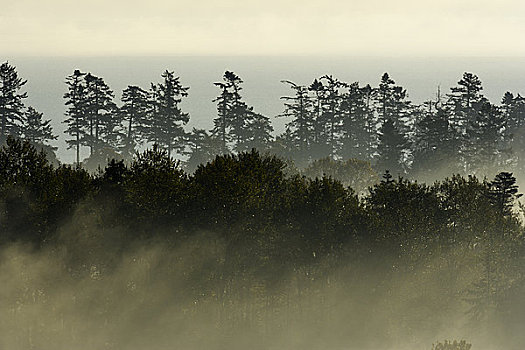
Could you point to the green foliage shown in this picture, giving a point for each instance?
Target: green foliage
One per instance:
(354, 173)
(238, 187)
(156, 187)
(431, 251)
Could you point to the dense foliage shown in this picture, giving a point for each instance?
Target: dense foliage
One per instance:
(273, 249)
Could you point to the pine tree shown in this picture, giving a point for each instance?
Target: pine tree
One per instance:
(465, 101)
(259, 133)
(240, 113)
(394, 112)
(391, 145)
(503, 193)
(236, 120)
(11, 101)
(76, 114)
(331, 116)
(319, 148)
(299, 108)
(357, 128)
(203, 147)
(222, 122)
(384, 96)
(101, 113)
(35, 129)
(433, 146)
(513, 112)
(134, 112)
(486, 138)
(168, 118)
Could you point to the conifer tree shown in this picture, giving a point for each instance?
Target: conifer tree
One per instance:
(168, 118)
(203, 147)
(332, 115)
(503, 193)
(259, 133)
(101, 113)
(76, 114)
(433, 148)
(394, 112)
(391, 145)
(236, 120)
(320, 147)
(134, 112)
(37, 130)
(299, 108)
(11, 101)
(222, 122)
(357, 128)
(513, 113)
(486, 138)
(465, 100)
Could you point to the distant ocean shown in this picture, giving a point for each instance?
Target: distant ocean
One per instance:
(261, 75)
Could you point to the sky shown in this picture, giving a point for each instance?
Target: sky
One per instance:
(484, 28)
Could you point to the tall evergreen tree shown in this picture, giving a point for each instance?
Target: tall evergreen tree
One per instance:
(134, 112)
(357, 128)
(37, 130)
(299, 108)
(394, 113)
(486, 138)
(320, 147)
(203, 147)
(433, 146)
(259, 133)
(222, 122)
(332, 115)
(101, 113)
(11, 101)
(465, 100)
(503, 193)
(384, 96)
(76, 114)
(168, 118)
(236, 120)
(513, 112)
(391, 145)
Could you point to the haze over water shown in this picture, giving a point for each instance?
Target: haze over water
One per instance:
(262, 77)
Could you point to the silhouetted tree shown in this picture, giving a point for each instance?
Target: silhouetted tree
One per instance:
(203, 147)
(393, 109)
(103, 120)
(11, 101)
(168, 118)
(134, 111)
(358, 129)
(465, 100)
(35, 129)
(258, 133)
(391, 145)
(300, 128)
(320, 147)
(332, 115)
(76, 114)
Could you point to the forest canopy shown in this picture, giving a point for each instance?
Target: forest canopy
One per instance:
(269, 246)
(369, 222)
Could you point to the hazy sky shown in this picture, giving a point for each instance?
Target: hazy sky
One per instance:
(262, 27)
